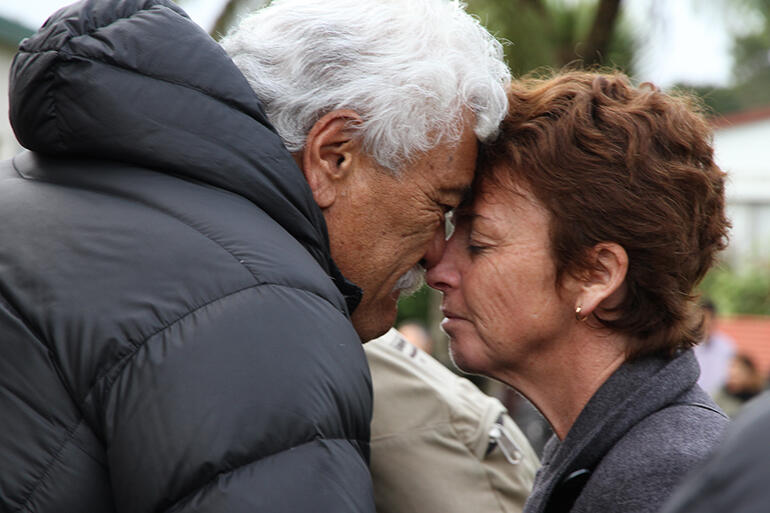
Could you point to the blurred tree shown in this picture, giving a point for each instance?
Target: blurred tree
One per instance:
(751, 51)
(745, 291)
(718, 100)
(415, 306)
(554, 33)
(541, 32)
(230, 14)
(751, 54)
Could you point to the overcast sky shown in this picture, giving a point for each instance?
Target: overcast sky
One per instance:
(679, 46)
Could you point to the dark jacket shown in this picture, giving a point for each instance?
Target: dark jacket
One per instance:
(174, 333)
(736, 478)
(645, 427)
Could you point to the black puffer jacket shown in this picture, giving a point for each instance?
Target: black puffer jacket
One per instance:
(174, 335)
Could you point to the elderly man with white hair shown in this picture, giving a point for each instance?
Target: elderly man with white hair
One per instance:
(198, 240)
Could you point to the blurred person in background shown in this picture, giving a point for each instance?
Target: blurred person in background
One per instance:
(439, 444)
(744, 382)
(570, 277)
(201, 237)
(714, 353)
(417, 334)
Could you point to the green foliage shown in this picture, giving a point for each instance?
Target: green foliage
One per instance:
(416, 306)
(718, 100)
(744, 292)
(750, 51)
(550, 33)
(751, 94)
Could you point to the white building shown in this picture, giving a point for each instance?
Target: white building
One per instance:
(11, 33)
(742, 147)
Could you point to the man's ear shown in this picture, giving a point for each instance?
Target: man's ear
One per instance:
(327, 159)
(602, 285)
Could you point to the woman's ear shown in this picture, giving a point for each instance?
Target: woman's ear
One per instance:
(602, 285)
(327, 159)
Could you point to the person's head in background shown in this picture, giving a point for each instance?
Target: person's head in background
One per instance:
(709, 310)
(417, 334)
(381, 102)
(743, 377)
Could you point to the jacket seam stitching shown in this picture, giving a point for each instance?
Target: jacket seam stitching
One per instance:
(230, 471)
(137, 345)
(93, 30)
(67, 57)
(55, 103)
(62, 52)
(698, 405)
(52, 357)
(166, 211)
(14, 310)
(56, 458)
(183, 221)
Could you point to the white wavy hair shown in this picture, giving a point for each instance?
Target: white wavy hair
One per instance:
(411, 69)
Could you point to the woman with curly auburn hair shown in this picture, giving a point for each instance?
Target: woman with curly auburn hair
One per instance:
(570, 277)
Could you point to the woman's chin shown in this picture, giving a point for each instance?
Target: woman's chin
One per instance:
(464, 354)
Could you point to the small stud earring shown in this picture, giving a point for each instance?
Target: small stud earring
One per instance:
(579, 317)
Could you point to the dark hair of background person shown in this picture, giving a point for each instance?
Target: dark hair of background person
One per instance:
(748, 384)
(708, 306)
(616, 163)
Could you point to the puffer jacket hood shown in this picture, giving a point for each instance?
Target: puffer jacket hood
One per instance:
(175, 103)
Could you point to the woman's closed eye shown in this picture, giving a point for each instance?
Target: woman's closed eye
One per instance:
(474, 248)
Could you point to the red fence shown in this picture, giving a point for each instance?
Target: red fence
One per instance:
(751, 335)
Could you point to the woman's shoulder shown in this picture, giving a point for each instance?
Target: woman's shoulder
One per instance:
(675, 436)
(648, 462)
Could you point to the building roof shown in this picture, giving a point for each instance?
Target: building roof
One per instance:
(751, 334)
(741, 118)
(12, 32)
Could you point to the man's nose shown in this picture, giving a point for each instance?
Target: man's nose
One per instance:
(435, 249)
(442, 273)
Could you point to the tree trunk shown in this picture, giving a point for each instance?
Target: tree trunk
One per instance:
(601, 32)
(230, 14)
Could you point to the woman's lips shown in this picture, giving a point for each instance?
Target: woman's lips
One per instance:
(450, 319)
(449, 314)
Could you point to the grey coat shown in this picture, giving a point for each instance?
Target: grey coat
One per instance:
(646, 426)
